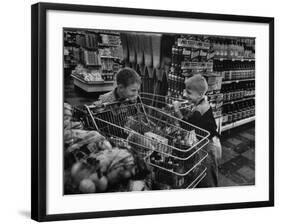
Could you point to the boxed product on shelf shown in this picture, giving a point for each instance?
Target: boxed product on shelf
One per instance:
(91, 58)
(112, 52)
(110, 39)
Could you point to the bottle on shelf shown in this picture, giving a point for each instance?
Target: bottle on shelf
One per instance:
(230, 113)
(240, 111)
(225, 114)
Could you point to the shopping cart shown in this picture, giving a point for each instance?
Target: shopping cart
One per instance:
(165, 103)
(173, 147)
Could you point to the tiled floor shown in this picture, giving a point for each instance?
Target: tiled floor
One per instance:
(237, 166)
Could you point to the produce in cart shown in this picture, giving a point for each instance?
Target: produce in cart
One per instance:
(101, 167)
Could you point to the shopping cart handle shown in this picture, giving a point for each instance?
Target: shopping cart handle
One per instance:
(98, 105)
(106, 104)
(183, 104)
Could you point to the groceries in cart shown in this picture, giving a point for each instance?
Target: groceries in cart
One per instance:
(99, 165)
(94, 163)
(143, 143)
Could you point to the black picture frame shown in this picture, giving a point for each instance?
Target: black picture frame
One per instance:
(39, 122)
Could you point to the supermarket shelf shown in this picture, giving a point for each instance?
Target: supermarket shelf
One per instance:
(70, 44)
(92, 82)
(111, 57)
(108, 45)
(98, 87)
(89, 65)
(237, 80)
(73, 44)
(239, 100)
(237, 123)
(235, 59)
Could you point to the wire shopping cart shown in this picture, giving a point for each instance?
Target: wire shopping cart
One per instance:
(173, 147)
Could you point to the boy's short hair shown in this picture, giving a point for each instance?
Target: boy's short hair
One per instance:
(197, 83)
(127, 76)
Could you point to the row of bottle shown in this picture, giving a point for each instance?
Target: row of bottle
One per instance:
(234, 91)
(231, 48)
(229, 65)
(108, 76)
(238, 75)
(107, 65)
(188, 71)
(176, 84)
(238, 111)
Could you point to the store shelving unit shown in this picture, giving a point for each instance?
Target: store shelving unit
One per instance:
(237, 81)
(237, 123)
(223, 61)
(96, 86)
(239, 100)
(106, 65)
(107, 45)
(110, 57)
(235, 59)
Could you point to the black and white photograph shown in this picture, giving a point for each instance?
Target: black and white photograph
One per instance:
(145, 111)
(141, 111)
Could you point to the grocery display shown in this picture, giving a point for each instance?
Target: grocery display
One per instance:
(233, 47)
(190, 55)
(228, 65)
(235, 61)
(238, 110)
(94, 56)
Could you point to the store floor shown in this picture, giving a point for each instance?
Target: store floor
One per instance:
(237, 166)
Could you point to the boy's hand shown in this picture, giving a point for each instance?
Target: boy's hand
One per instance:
(176, 105)
(97, 103)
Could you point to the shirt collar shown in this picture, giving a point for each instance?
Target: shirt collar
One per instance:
(117, 97)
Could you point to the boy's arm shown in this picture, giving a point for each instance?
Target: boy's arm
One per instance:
(178, 113)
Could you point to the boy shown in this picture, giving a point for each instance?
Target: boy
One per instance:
(128, 84)
(202, 116)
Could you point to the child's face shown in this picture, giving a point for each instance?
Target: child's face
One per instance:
(192, 95)
(131, 91)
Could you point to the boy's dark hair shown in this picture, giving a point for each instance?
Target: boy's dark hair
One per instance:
(127, 76)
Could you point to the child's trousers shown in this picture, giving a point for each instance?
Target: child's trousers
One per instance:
(211, 163)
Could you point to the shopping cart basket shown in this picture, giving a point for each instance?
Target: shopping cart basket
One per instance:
(171, 146)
